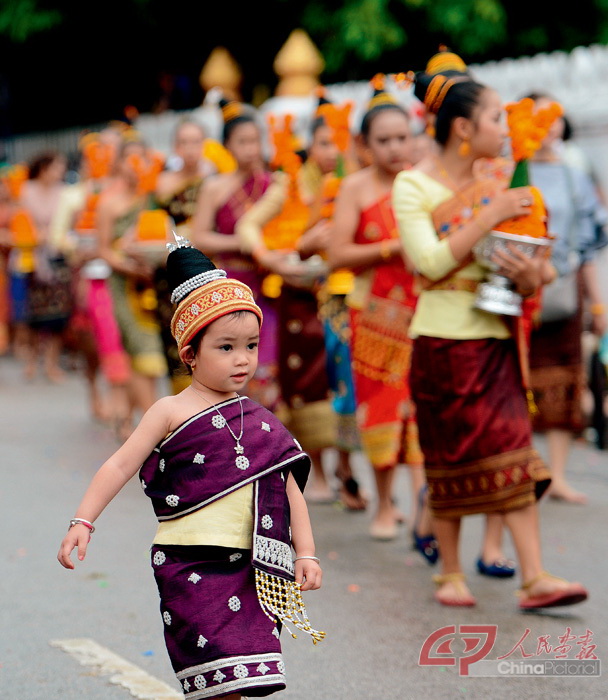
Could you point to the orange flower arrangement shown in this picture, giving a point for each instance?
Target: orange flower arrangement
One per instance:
(152, 226)
(23, 229)
(216, 153)
(97, 156)
(147, 169)
(527, 129)
(284, 230)
(338, 120)
(14, 176)
(25, 238)
(87, 219)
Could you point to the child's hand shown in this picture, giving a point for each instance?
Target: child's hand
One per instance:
(78, 536)
(308, 574)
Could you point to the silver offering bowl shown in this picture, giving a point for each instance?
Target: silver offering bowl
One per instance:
(496, 294)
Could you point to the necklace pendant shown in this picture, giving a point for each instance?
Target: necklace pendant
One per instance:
(239, 449)
(241, 462)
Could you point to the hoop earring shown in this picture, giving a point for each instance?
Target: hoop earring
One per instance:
(464, 149)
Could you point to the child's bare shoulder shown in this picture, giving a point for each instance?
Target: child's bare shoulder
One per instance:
(164, 408)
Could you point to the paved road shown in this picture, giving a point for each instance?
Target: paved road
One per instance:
(376, 603)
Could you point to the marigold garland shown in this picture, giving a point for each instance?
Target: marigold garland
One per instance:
(14, 176)
(283, 232)
(528, 127)
(219, 155)
(147, 169)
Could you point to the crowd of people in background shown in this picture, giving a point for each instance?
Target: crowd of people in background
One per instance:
(369, 342)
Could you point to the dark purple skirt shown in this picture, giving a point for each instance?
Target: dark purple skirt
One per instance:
(218, 638)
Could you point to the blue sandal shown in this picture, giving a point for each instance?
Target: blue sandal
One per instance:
(501, 568)
(426, 544)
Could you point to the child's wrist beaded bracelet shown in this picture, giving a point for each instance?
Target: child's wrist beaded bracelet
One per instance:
(82, 521)
(307, 557)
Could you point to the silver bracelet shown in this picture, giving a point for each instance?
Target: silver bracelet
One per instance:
(307, 557)
(82, 521)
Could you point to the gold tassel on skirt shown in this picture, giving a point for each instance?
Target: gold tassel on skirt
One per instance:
(282, 600)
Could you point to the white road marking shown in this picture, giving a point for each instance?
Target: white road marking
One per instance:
(139, 683)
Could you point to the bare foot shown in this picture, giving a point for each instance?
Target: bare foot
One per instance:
(55, 375)
(564, 492)
(452, 590)
(99, 410)
(319, 494)
(30, 371)
(384, 525)
(351, 496)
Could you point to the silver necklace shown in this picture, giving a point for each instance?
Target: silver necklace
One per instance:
(241, 461)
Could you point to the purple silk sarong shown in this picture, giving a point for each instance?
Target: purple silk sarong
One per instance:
(218, 637)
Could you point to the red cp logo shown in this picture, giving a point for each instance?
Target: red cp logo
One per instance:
(478, 643)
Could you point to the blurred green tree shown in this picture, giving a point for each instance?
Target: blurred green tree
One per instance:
(84, 62)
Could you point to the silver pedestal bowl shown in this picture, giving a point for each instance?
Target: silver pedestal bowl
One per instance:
(496, 294)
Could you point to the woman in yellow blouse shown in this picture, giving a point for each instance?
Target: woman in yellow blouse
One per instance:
(465, 377)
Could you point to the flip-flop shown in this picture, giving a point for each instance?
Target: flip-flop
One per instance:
(574, 593)
(458, 579)
(569, 596)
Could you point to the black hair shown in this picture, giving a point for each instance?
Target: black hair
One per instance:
(41, 161)
(317, 123)
(186, 262)
(459, 101)
(231, 124)
(371, 114)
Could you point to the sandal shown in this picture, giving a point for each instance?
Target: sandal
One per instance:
(572, 594)
(351, 496)
(457, 578)
(425, 544)
(499, 568)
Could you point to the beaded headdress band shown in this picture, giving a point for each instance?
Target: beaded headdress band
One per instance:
(204, 297)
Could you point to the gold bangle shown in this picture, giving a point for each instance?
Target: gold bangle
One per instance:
(597, 309)
(385, 252)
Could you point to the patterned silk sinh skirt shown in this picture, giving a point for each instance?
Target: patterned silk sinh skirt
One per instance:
(557, 373)
(218, 638)
(474, 427)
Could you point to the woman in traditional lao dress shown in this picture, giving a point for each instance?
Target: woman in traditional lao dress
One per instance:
(467, 376)
(366, 240)
(223, 199)
(177, 193)
(131, 282)
(49, 302)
